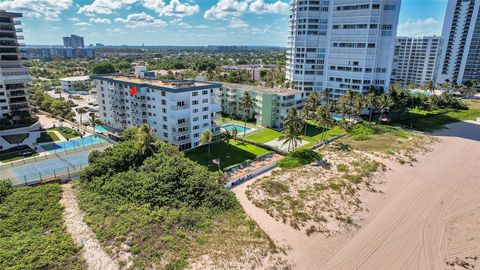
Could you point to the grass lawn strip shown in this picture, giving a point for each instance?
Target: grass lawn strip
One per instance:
(66, 132)
(229, 153)
(16, 138)
(264, 135)
(14, 153)
(47, 137)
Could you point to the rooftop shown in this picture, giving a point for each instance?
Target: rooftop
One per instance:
(77, 78)
(173, 85)
(261, 89)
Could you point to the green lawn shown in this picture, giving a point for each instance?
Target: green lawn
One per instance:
(264, 135)
(435, 122)
(66, 132)
(14, 153)
(16, 138)
(315, 134)
(47, 137)
(229, 153)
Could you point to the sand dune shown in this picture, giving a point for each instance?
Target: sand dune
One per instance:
(429, 217)
(424, 224)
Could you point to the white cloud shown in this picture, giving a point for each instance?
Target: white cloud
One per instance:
(238, 24)
(115, 30)
(258, 31)
(260, 7)
(74, 19)
(104, 6)
(82, 24)
(46, 9)
(99, 20)
(225, 9)
(141, 20)
(174, 8)
(418, 28)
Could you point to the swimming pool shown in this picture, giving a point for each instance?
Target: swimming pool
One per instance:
(100, 128)
(240, 129)
(337, 117)
(72, 144)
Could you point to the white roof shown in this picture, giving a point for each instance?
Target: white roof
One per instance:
(78, 78)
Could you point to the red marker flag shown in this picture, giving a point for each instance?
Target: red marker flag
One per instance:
(133, 90)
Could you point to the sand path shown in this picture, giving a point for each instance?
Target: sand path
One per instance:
(93, 253)
(429, 213)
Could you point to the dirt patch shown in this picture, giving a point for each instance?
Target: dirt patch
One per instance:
(92, 251)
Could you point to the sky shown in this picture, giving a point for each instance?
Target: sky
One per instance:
(185, 22)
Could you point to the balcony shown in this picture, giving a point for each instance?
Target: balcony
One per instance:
(180, 107)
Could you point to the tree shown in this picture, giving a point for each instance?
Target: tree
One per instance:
(246, 104)
(81, 112)
(293, 119)
(207, 139)
(146, 141)
(384, 103)
(291, 136)
(227, 135)
(93, 120)
(79, 86)
(429, 85)
(235, 133)
(58, 91)
(103, 68)
(370, 101)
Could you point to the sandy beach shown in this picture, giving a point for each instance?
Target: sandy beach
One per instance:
(427, 218)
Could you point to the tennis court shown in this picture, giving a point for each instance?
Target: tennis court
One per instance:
(50, 168)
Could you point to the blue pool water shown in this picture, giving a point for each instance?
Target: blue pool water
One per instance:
(337, 117)
(72, 144)
(240, 129)
(100, 129)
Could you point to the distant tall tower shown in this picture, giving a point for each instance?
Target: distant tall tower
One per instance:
(341, 45)
(14, 104)
(73, 41)
(460, 58)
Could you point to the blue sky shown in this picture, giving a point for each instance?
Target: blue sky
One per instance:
(185, 22)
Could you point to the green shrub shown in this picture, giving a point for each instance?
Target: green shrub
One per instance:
(274, 188)
(299, 158)
(5, 189)
(342, 167)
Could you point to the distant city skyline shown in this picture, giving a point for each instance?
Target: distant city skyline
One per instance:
(185, 22)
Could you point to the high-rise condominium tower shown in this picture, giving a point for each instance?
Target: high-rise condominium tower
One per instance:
(460, 59)
(415, 59)
(341, 45)
(13, 76)
(73, 41)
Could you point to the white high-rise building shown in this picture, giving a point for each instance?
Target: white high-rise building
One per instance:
(415, 59)
(14, 103)
(341, 45)
(460, 58)
(178, 111)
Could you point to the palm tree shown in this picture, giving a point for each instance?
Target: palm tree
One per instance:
(293, 119)
(59, 92)
(146, 141)
(384, 103)
(235, 133)
(291, 136)
(429, 85)
(370, 101)
(81, 112)
(93, 121)
(246, 103)
(326, 96)
(207, 138)
(227, 135)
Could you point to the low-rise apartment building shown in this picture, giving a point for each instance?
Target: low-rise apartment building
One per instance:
(271, 104)
(253, 70)
(178, 111)
(70, 84)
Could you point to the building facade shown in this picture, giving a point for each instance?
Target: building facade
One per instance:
(69, 84)
(415, 60)
(178, 111)
(460, 58)
(341, 45)
(53, 52)
(73, 41)
(271, 104)
(14, 102)
(255, 71)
